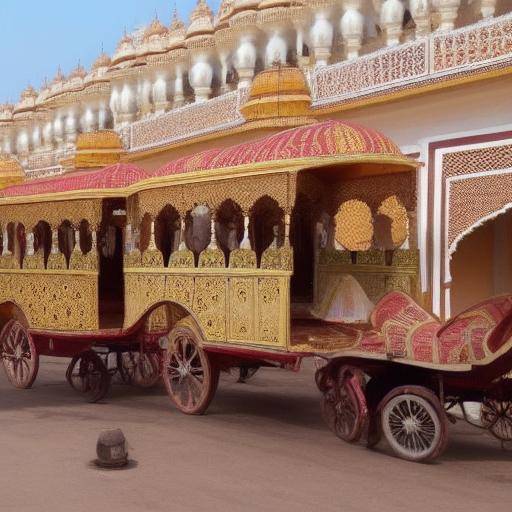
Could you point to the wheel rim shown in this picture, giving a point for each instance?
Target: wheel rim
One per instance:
(188, 374)
(411, 426)
(88, 375)
(341, 411)
(18, 354)
(497, 417)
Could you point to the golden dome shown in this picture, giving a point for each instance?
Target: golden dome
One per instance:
(201, 20)
(103, 61)
(97, 149)
(281, 91)
(156, 28)
(11, 172)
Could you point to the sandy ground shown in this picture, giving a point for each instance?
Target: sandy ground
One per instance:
(262, 446)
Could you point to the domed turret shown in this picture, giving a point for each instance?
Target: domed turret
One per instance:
(281, 91)
(177, 31)
(125, 50)
(223, 14)
(79, 73)
(59, 78)
(11, 171)
(28, 94)
(103, 61)
(201, 20)
(155, 30)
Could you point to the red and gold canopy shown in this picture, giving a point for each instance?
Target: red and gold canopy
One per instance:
(327, 143)
(328, 139)
(111, 177)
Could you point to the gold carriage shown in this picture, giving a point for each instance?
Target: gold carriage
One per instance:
(213, 261)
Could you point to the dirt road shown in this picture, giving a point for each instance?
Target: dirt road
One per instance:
(262, 446)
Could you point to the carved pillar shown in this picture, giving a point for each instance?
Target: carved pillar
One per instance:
(487, 8)
(391, 18)
(277, 49)
(36, 138)
(160, 92)
(321, 36)
(448, 10)
(201, 76)
(420, 11)
(145, 106)
(246, 242)
(245, 60)
(287, 222)
(179, 97)
(70, 129)
(352, 25)
(56, 260)
(58, 131)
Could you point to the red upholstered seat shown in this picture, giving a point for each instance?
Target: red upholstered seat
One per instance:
(402, 329)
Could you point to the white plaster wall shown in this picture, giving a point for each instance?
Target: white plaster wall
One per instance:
(465, 108)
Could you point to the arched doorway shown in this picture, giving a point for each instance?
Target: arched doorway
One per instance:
(482, 263)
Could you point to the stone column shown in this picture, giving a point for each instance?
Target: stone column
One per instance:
(245, 60)
(352, 25)
(144, 97)
(391, 19)
(487, 8)
(448, 10)
(321, 36)
(36, 138)
(70, 129)
(201, 76)
(58, 131)
(179, 97)
(277, 49)
(420, 11)
(160, 95)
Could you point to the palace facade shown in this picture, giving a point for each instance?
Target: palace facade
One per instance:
(434, 76)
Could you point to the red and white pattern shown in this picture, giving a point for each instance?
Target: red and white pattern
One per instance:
(111, 177)
(329, 138)
(402, 329)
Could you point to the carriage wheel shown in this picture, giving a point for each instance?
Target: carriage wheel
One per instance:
(18, 354)
(246, 373)
(189, 376)
(143, 372)
(88, 375)
(343, 405)
(414, 423)
(497, 418)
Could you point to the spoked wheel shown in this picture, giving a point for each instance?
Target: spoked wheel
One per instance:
(142, 371)
(189, 376)
(497, 418)
(87, 374)
(414, 423)
(18, 354)
(343, 404)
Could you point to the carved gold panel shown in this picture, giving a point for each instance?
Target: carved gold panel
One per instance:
(210, 306)
(56, 300)
(238, 306)
(242, 300)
